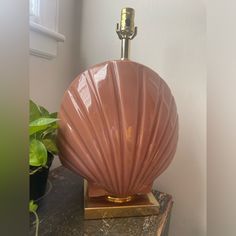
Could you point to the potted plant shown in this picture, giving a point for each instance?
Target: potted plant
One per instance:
(42, 135)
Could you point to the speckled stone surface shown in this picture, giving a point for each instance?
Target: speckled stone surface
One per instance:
(61, 212)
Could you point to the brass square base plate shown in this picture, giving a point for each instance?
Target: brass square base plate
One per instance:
(100, 207)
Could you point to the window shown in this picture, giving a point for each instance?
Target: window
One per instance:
(34, 10)
(44, 35)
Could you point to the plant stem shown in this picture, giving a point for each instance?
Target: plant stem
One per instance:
(37, 223)
(34, 171)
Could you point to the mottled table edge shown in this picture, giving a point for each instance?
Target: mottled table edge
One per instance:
(62, 176)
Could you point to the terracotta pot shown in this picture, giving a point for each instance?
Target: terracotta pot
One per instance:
(118, 127)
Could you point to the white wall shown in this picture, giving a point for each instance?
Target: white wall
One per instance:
(221, 126)
(171, 40)
(50, 78)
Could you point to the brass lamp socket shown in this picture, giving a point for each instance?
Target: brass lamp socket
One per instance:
(127, 21)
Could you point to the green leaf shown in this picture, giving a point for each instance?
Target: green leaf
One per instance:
(43, 121)
(50, 133)
(34, 111)
(53, 115)
(54, 127)
(38, 153)
(41, 124)
(50, 145)
(44, 112)
(33, 206)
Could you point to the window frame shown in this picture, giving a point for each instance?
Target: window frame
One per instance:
(44, 41)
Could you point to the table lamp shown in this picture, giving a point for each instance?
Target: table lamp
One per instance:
(118, 129)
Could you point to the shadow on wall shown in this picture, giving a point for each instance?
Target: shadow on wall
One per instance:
(189, 178)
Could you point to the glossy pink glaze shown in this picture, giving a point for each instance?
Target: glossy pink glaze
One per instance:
(118, 127)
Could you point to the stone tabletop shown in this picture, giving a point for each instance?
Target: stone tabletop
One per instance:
(61, 212)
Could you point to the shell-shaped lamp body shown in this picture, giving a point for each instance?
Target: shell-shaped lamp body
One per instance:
(118, 127)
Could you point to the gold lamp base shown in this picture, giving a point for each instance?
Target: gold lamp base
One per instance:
(116, 199)
(113, 207)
